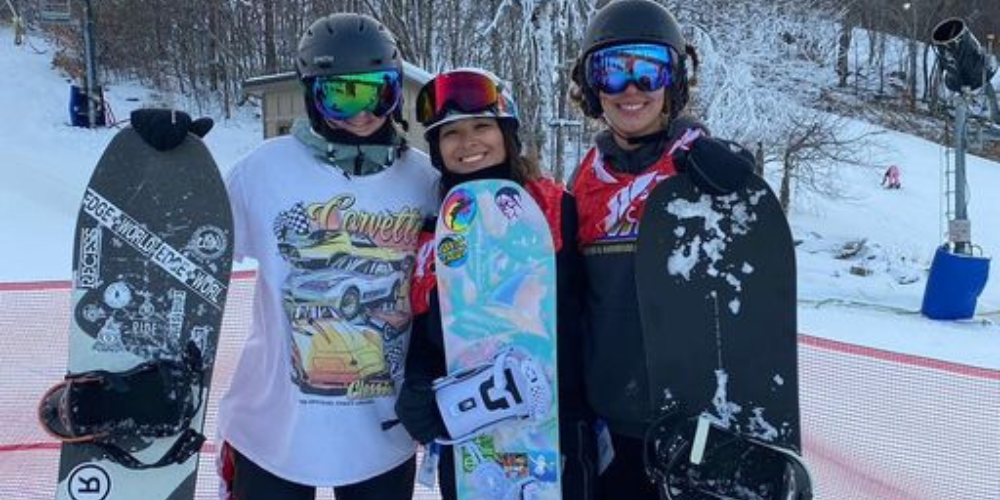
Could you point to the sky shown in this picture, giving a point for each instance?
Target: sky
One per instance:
(45, 165)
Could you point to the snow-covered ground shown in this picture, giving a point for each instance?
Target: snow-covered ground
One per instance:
(901, 230)
(45, 164)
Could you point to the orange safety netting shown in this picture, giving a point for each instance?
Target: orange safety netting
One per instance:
(876, 425)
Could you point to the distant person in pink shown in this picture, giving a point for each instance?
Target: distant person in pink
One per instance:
(891, 178)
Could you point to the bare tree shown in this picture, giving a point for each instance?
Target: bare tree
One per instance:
(847, 25)
(748, 50)
(270, 47)
(815, 145)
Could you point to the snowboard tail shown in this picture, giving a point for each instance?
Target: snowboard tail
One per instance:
(715, 278)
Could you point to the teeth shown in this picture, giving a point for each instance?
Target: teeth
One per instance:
(474, 158)
(631, 107)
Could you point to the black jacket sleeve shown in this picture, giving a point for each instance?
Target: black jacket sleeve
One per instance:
(425, 359)
(416, 407)
(570, 276)
(576, 435)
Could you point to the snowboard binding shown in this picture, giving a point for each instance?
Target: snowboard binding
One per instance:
(694, 458)
(155, 399)
(513, 386)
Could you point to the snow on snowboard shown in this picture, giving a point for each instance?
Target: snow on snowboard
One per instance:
(151, 265)
(717, 293)
(495, 267)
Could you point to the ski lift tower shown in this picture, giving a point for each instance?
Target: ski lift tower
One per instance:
(95, 99)
(959, 270)
(61, 12)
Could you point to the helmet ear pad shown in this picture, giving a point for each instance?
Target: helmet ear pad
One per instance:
(315, 118)
(679, 87)
(434, 148)
(590, 102)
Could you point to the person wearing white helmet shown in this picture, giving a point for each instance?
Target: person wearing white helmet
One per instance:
(331, 214)
(472, 126)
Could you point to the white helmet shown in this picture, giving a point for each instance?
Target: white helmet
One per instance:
(464, 93)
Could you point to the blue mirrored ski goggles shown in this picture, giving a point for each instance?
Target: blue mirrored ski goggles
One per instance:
(647, 66)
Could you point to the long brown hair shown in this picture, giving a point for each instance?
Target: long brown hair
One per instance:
(523, 167)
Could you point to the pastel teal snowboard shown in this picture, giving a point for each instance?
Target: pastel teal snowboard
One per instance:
(495, 267)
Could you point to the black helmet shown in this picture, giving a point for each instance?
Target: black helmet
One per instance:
(342, 44)
(345, 43)
(633, 21)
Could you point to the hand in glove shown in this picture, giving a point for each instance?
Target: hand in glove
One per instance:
(717, 166)
(165, 129)
(418, 411)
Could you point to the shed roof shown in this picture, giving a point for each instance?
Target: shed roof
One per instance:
(261, 83)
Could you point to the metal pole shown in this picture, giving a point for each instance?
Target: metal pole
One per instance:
(17, 22)
(88, 46)
(960, 229)
(991, 94)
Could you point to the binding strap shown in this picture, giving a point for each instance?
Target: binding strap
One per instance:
(695, 458)
(155, 399)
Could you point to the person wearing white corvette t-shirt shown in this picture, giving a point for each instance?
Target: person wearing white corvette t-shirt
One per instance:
(332, 214)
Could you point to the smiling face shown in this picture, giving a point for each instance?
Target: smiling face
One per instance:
(471, 144)
(362, 125)
(633, 113)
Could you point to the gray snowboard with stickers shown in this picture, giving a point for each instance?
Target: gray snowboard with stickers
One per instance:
(151, 264)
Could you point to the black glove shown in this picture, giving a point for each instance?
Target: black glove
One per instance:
(417, 410)
(717, 166)
(166, 129)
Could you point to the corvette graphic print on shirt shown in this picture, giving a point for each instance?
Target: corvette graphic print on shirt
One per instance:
(347, 295)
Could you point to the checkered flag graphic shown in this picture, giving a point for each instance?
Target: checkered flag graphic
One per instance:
(395, 357)
(293, 220)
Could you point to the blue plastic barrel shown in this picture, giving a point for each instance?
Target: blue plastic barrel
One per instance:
(954, 285)
(78, 107)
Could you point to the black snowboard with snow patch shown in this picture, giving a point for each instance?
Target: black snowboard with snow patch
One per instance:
(717, 292)
(151, 266)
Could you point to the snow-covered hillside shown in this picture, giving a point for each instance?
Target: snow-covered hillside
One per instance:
(45, 163)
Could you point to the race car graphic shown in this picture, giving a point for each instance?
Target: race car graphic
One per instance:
(318, 249)
(337, 354)
(350, 283)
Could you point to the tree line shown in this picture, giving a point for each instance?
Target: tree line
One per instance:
(754, 55)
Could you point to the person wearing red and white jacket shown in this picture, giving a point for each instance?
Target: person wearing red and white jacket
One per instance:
(472, 125)
(632, 75)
